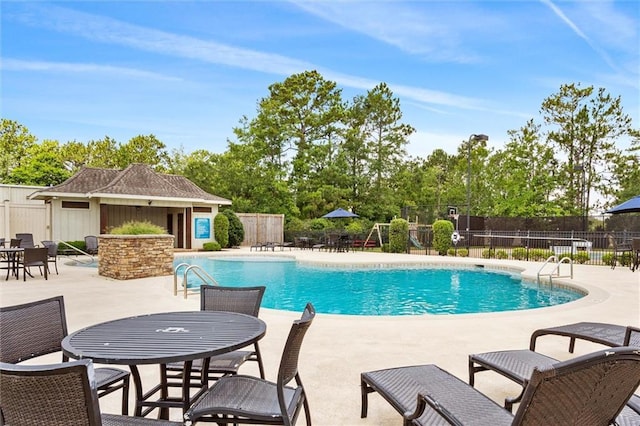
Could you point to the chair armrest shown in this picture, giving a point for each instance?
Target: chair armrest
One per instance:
(627, 335)
(423, 401)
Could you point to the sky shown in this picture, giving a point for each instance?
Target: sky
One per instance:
(188, 71)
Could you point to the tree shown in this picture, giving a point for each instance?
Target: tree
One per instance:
(236, 230)
(527, 179)
(585, 126)
(15, 140)
(221, 229)
(42, 166)
(146, 150)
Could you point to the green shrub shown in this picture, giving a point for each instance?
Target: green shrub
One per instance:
(221, 229)
(451, 251)
(355, 227)
(519, 253)
(385, 247)
(211, 246)
(398, 235)
(463, 252)
(502, 254)
(581, 257)
(77, 244)
(538, 254)
(488, 253)
(138, 228)
(607, 258)
(442, 230)
(236, 230)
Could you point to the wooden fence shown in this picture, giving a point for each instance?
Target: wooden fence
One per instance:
(262, 228)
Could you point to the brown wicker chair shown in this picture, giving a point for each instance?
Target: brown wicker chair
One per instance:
(246, 399)
(518, 365)
(57, 395)
(598, 332)
(26, 240)
(37, 328)
(52, 253)
(31, 257)
(588, 390)
(244, 300)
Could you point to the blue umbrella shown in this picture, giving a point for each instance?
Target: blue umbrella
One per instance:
(339, 213)
(629, 206)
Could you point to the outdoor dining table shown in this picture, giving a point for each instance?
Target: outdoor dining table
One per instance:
(160, 339)
(10, 257)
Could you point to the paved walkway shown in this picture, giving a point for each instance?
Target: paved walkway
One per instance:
(338, 348)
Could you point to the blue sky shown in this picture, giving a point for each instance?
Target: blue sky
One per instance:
(187, 71)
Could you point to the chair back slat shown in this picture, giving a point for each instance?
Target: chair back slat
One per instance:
(32, 329)
(591, 389)
(53, 395)
(243, 300)
(35, 256)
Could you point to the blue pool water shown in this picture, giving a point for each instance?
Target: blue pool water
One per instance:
(380, 290)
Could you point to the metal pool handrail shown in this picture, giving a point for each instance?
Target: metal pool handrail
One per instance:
(196, 270)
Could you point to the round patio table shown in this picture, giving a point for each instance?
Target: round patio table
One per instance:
(10, 257)
(164, 338)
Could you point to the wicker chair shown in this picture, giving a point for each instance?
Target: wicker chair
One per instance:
(37, 328)
(31, 257)
(244, 300)
(52, 253)
(57, 395)
(598, 332)
(91, 244)
(246, 399)
(518, 365)
(26, 240)
(588, 390)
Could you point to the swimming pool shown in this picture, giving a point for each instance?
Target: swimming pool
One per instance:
(380, 290)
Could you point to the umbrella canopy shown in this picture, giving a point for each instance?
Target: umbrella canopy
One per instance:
(338, 213)
(629, 206)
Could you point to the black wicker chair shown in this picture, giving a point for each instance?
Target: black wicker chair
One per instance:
(588, 390)
(37, 328)
(52, 253)
(91, 244)
(518, 365)
(57, 395)
(32, 257)
(251, 400)
(26, 240)
(244, 300)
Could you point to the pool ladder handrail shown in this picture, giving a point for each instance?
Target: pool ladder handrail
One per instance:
(77, 250)
(555, 272)
(201, 273)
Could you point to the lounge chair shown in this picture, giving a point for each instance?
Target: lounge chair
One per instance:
(247, 399)
(598, 332)
(244, 300)
(588, 390)
(518, 365)
(57, 395)
(33, 329)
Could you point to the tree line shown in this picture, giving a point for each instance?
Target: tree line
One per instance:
(307, 151)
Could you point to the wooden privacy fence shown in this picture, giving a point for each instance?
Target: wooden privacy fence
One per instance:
(262, 228)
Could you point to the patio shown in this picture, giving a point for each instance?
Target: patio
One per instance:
(338, 348)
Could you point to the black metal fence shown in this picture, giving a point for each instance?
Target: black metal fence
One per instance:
(592, 248)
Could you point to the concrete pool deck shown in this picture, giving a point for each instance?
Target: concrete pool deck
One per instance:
(338, 348)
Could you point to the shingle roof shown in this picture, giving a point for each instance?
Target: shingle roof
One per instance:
(136, 180)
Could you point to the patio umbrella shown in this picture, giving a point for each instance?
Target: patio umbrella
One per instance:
(339, 213)
(629, 206)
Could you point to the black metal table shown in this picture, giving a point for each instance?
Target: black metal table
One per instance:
(160, 339)
(11, 259)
